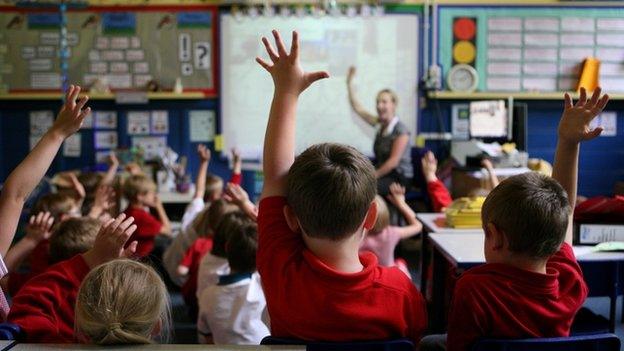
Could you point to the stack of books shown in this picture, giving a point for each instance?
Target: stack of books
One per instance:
(465, 213)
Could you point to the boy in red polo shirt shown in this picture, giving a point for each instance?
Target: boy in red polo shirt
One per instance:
(314, 212)
(141, 193)
(44, 307)
(532, 285)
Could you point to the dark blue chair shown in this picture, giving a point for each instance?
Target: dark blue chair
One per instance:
(10, 331)
(597, 342)
(382, 345)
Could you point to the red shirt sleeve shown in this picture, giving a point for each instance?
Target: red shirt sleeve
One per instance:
(44, 307)
(571, 280)
(439, 195)
(277, 244)
(237, 178)
(187, 260)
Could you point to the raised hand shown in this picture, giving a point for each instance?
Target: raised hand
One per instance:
(76, 185)
(236, 194)
(351, 74)
(104, 196)
(110, 241)
(70, 117)
(429, 166)
(397, 194)
(40, 226)
(574, 125)
(288, 75)
(112, 160)
(204, 153)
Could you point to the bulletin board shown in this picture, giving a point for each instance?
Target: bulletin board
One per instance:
(533, 48)
(125, 46)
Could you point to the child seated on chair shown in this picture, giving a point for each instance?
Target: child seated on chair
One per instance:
(141, 194)
(232, 309)
(315, 211)
(531, 285)
(383, 237)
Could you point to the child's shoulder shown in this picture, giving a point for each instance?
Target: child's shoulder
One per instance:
(392, 279)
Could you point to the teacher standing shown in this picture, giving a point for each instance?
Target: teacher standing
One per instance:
(393, 162)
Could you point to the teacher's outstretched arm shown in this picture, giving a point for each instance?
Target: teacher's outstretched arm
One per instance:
(355, 104)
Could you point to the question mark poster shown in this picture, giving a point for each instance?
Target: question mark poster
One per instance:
(126, 48)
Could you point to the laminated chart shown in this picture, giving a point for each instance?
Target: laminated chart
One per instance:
(124, 47)
(522, 49)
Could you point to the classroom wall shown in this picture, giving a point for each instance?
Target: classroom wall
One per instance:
(601, 160)
(15, 127)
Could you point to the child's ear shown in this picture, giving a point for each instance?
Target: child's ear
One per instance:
(291, 219)
(371, 216)
(495, 236)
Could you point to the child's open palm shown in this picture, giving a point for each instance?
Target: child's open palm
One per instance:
(71, 115)
(203, 152)
(110, 241)
(40, 226)
(574, 125)
(288, 76)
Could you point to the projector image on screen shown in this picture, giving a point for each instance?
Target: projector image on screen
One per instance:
(383, 48)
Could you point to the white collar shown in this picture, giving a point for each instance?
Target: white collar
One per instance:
(390, 128)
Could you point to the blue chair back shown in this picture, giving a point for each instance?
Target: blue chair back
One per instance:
(382, 345)
(597, 342)
(10, 331)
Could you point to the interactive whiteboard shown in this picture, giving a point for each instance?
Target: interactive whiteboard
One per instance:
(383, 48)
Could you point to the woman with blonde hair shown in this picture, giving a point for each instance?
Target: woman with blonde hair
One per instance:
(122, 302)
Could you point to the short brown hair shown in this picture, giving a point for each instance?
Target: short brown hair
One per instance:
(208, 219)
(532, 210)
(138, 185)
(73, 237)
(242, 245)
(383, 216)
(214, 183)
(228, 225)
(330, 189)
(56, 203)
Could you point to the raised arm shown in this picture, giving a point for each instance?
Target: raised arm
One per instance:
(355, 104)
(438, 193)
(237, 176)
(289, 80)
(163, 218)
(237, 195)
(397, 198)
(113, 164)
(398, 148)
(39, 228)
(492, 177)
(574, 128)
(29, 172)
(200, 183)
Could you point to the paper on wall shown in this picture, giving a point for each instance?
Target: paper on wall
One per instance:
(101, 156)
(120, 43)
(46, 51)
(105, 119)
(488, 119)
(160, 122)
(88, 121)
(40, 122)
(202, 125)
(28, 52)
(141, 80)
(49, 38)
(135, 55)
(608, 121)
(40, 65)
(72, 146)
(105, 140)
(140, 67)
(45, 80)
(138, 122)
(152, 146)
(102, 43)
(119, 67)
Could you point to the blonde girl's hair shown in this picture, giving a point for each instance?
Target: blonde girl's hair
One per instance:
(122, 302)
(383, 216)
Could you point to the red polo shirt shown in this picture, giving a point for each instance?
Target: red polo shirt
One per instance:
(192, 259)
(148, 227)
(44, 307)
(309, 300)
(500, 301)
